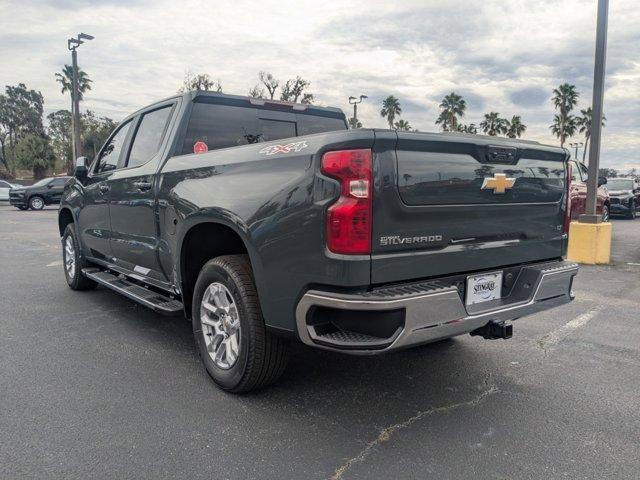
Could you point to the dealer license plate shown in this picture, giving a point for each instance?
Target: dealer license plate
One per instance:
(483, 288)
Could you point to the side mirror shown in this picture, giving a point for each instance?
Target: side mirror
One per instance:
(81, 171)
(602, 181)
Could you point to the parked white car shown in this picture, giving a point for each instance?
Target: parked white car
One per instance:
(4, 190)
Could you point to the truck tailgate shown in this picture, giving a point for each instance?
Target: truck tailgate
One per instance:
(446, 204)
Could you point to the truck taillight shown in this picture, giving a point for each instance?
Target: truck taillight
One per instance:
(348, 220)
(567, 200)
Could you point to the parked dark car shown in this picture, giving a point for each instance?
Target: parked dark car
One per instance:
(579, 174)
(47, 191)
(265, 222)
(625, 196)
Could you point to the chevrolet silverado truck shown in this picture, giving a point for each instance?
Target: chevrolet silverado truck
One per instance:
(266, 222)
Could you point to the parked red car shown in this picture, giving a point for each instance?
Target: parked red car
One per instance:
(579, 193)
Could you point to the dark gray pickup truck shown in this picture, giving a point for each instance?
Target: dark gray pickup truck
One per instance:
(265, 222)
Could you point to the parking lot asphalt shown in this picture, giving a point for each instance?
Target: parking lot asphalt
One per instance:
(94, 386)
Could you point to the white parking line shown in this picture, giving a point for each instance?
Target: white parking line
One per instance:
(558, 334)
(57, 263)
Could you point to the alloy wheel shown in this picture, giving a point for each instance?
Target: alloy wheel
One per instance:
(220, 325)
(37, 203)
(69, 257)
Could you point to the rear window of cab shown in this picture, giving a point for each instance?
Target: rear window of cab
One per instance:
(222, 126)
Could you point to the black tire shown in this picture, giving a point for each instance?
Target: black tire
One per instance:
(262, 356)
(77, 281)
(605, 213)
(632, 210)
(36, 202)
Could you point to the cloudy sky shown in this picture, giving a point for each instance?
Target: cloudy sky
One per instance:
(503, 56)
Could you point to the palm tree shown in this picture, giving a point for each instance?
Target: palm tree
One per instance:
(515, 127)
(584, 124)
(493, 125)
(390, 108)
(471, 128)
(402, 125)
(452, 105)
(354, 123)
(66, 80)
(563, 128)
(565, 97)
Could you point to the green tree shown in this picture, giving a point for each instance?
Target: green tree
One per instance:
(493, 124)
(201, 82)
(20, 114)
(452, 107)
(584, 125)
(65, 79)
(402, 125)
(515, 127)
(95, 131)
(35, 153)
(293, 90)
(354, 123)
(270, 83)
(59, 131)
(390, 109)
(565, 97)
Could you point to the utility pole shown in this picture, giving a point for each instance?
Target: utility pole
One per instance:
(596, 123)
(354, 101)
(73, 44)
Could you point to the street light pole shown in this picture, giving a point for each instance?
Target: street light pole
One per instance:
(73, 44)
(75, 105)
(354, 101)
(576, 145)
(596, 123)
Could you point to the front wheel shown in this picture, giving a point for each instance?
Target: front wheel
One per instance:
(74, 262)
(36, 203)
(238, 352)
(605, 213)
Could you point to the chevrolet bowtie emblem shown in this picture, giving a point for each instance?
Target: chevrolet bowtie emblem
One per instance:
(499, 183)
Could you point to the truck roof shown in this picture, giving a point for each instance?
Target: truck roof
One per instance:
(244, 101)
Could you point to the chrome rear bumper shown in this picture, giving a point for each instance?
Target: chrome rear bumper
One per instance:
(432, 310)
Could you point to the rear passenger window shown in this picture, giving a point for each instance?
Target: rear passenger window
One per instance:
(149, 136)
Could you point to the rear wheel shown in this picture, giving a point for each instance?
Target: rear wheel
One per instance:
(36, 203)
(238, 352)
(74, 262)
(605, 213)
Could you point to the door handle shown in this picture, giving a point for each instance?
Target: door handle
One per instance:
(142, 186)
(104, 188)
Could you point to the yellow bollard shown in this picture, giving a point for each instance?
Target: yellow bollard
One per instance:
(589, 243)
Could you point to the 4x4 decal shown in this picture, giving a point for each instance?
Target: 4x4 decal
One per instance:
(289, 147)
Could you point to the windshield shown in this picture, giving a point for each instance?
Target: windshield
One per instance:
(41, 183)
(619, 184)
